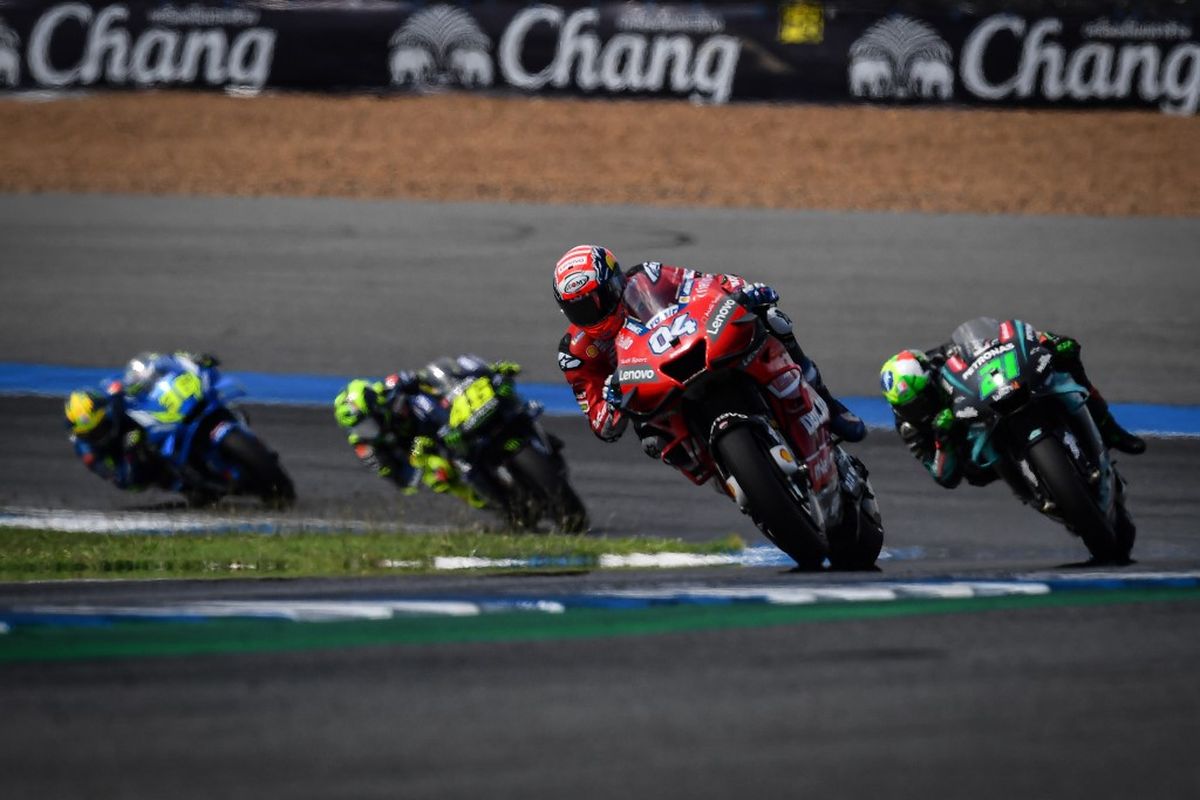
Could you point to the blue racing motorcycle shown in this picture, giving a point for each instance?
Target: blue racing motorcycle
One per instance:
(192, 421)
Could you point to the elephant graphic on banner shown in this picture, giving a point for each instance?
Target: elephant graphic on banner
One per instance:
(931, 79)
(439, 46)
(10, 56)
(411, 65)
(473, 67)
(871, 78)
(901, 58)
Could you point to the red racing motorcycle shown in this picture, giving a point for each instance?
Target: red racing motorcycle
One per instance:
(702, 373)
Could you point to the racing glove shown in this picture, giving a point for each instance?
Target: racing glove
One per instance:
(206, 360)
(508, 369)
(916, 440)
(612, 392)
(757, 295)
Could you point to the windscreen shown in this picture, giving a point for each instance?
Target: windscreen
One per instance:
(976, 335)
(445, 373)
(442, 374)
(645, 297)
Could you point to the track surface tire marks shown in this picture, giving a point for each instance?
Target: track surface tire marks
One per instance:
(341, 286)
(1003, 704)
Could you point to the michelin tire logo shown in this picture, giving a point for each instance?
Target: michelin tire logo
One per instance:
(440, 46)
(901, 58)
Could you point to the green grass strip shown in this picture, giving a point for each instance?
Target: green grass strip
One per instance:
(148, 639)
(48, 555)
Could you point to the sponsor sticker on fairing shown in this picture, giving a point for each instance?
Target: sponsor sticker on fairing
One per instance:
(722, 314)
(635, 375)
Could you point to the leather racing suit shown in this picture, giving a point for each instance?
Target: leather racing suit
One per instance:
(941, 445)
(588, 362)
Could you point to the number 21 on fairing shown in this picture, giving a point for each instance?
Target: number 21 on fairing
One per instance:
(660, 340)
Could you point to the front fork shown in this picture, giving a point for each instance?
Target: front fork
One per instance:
(1082, 440)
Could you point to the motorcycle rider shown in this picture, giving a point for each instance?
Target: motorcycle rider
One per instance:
(926, 423)
(112, 445)
(108, 441)
(403, 414)
(588, 285)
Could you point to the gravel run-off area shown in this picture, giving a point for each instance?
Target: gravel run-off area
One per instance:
(665, 153)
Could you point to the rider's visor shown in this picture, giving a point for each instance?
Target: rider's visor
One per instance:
(595, 306)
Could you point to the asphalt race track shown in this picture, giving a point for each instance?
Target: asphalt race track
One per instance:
(1081, 699)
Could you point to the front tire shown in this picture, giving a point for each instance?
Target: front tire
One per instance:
(772, 502)
(545, 478)
(262, 473)
(1069, 491)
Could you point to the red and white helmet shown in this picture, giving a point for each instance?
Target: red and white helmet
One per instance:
(587, 285)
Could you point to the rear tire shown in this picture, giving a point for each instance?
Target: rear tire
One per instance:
(545, 478)
(771, 501)
(263, 474)
(860, 552)
(1070, 493)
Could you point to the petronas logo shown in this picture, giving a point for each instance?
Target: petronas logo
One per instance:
(440, 46)
(901, 58)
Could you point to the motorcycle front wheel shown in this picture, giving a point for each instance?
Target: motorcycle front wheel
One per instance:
(772, 501)
(1069, 491)
(545, 478)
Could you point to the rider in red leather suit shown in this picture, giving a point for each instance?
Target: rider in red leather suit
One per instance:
(588, 283)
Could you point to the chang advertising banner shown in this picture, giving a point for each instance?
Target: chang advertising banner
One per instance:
(796, 50)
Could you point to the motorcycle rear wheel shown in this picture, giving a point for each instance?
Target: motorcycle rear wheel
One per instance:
(265, 476)
(860, 543)
(772, 502)
(1070, 493)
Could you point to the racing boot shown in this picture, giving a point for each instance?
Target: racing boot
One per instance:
(1115, 437)
(1118, 438)
(844, 424)
(842, 421)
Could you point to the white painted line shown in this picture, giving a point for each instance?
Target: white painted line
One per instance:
(669, 560)
(940, 591)
(999, 588)
(473, 562)
(187, 522)
(1114, 575)
(855, 593)
(293, 610)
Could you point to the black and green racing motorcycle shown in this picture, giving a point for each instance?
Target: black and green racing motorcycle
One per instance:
(1030, 424)
(495, 436)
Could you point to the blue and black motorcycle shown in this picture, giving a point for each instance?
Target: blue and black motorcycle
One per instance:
(192, 421)
(1030, 424)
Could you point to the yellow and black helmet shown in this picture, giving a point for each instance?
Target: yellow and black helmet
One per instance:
(88, 415)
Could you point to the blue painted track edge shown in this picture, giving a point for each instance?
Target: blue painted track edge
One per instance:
(20, 379)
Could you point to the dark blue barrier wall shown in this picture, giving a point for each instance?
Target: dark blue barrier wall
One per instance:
(1065, 55)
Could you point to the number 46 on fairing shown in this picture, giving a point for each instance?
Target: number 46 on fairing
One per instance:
(660, 340)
